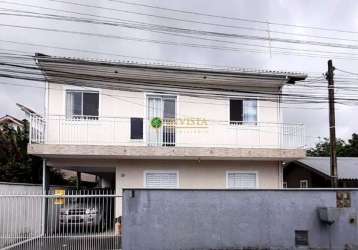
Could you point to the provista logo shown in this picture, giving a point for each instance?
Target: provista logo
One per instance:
(182, 123)
(156, 122)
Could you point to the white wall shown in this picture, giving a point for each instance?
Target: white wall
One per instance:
(116, 107)
(19, 216)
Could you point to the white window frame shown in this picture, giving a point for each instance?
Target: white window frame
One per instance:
(161, 172)
(83, 89)
(146, 113)
(243, 124)
(242, 172)
(304, 182)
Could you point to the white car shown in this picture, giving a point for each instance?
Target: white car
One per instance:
(82, 215)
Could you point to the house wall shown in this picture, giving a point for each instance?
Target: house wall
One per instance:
(195, 174)
(293, 173)
(110, 129)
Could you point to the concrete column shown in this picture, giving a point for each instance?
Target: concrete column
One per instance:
(119, 189)
(78, 180)
(280, 174)
(45, 177)
(105, 182)
(45, 183)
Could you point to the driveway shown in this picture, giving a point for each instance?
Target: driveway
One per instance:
(93, 242)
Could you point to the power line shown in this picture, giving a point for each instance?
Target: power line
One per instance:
(245, 44)
(161, 26)
(110, 63)
(132, 97)
(234, 18)
(310, 52)
(165, 88)
(348, 72)
(295, 97)
(251, 37)
(165, 42)
(60, 66)
(293, 41)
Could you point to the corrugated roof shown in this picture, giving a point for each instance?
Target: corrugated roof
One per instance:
(169, 66)
(347, 166)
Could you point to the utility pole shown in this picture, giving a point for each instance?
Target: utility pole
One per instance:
(332, 125)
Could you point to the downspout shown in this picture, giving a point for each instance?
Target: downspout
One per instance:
(279, 115)
(280, 120)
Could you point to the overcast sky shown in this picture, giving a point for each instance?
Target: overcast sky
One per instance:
(326, 13)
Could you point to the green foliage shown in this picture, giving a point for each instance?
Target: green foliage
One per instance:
(344, 149)
(15, 164)
(353, 142)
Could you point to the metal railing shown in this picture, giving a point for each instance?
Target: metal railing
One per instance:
(172, 132)
(75, 220)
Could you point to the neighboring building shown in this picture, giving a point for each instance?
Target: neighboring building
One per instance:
(314, 172)
(11, 121)
(158, 126)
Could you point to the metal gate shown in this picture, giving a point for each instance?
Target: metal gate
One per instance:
(83, 219)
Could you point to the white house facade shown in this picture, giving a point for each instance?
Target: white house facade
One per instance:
(155, 126)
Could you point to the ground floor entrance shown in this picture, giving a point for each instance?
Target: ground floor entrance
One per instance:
(119, 174)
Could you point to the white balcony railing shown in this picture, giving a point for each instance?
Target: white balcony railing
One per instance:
(116, 131)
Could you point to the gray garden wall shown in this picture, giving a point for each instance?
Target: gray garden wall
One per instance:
(231, 219)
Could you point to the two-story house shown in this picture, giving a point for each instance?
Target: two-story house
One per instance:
(161, 126)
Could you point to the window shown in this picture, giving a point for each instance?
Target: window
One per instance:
(136, 128)
(165, 179)
(82, 104)
(241, 180)
(243, 111)
(163, 107)
(303, 183)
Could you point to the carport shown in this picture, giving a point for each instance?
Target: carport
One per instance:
(68, 217)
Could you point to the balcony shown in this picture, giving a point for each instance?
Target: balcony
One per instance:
(179, 137)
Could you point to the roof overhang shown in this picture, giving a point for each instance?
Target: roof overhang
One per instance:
(319, 172)
(303, 165)
(12, 120)
(116, 74)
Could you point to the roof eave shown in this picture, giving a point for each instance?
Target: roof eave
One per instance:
(286, 77)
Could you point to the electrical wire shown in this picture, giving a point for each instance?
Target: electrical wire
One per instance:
(308, 52)
(235, 18)
(297, 97)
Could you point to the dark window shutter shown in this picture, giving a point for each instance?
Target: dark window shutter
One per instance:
(136, 128)
(90, 104)
(236, 112)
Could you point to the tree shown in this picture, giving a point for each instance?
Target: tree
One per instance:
(353, 142)
(15, 164)
(344, 149)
